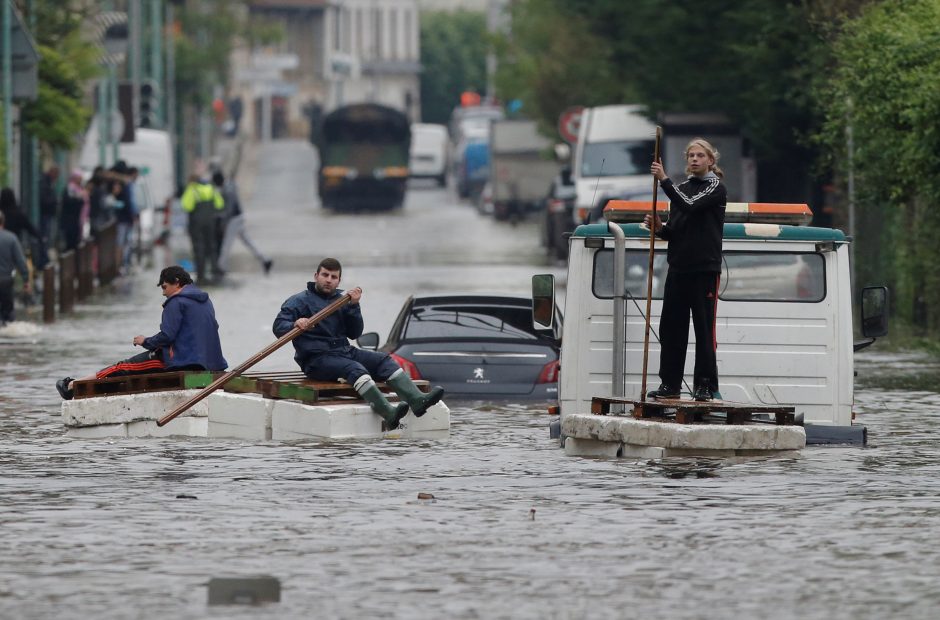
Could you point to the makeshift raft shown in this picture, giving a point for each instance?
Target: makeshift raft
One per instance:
(255, 406)
(662, 428)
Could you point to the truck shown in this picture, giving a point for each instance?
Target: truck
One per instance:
(784, 320)
(612, 156)
(521, 167)
(364, 150)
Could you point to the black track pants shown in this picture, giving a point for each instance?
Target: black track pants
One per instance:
(685, 294)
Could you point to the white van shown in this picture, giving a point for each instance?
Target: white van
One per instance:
(152, 154)
(612, 157)
(428, 156)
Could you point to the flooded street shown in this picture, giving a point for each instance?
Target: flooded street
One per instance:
(136, 528)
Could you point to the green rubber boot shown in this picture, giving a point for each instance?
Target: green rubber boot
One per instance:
(409, 392)
(392, 414)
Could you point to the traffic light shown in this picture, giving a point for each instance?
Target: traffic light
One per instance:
(148, 104)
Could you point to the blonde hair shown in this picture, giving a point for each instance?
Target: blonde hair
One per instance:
(711, 151)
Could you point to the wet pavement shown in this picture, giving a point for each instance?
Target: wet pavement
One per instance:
(136, 528)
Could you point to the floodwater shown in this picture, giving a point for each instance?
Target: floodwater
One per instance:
(135, 528)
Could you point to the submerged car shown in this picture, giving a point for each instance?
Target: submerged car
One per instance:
(475, 346)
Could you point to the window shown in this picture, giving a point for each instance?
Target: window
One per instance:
(409, 44)
(745, 276)
(614, 159)
(377, 33)
(470, 321)
(393, 32)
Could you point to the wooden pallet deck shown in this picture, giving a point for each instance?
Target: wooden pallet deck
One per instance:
(691, 411)
(290, 385)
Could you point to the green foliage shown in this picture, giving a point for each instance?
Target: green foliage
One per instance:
(887, 87)
(67, 62)
(551, 61)
(453, 55)
(209, 31)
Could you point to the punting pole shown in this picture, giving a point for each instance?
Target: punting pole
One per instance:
(649, 271)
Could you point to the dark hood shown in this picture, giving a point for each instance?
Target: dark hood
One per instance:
(191, 291)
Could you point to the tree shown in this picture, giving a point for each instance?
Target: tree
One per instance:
(67, 62)
(885, 87)
(453, 54)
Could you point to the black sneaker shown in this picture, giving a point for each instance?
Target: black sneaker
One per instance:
(267, 266)
(663, 391)
(702, 394)
(62, 385)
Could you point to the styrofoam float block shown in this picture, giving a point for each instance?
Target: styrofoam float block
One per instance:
(97, 432)
(292, 420)
(240, 416)
(708, 437)
(434, 424)
(177, 427)
(591, 447)
(128, 408)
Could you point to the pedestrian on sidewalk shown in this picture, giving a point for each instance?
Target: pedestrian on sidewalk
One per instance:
(188, 338)
(204, 205)
(234, 224)
(324, 352)
(18, 223)
(11, 257)
(74, 207)
(49, 207)
(694, 232)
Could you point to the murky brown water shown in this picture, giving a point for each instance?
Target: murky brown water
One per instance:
(95, 528)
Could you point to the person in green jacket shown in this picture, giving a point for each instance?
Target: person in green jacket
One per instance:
(204, 204)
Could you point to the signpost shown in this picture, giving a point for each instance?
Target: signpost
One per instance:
(569, 122)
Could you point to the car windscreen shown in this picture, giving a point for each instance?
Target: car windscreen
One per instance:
(615, 159)
(470, 321)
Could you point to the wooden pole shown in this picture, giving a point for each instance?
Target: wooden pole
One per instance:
(649, 271)
(254, 359)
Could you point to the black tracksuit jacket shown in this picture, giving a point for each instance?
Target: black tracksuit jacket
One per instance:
(696, 223)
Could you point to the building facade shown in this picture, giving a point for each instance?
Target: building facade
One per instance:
(335, 52)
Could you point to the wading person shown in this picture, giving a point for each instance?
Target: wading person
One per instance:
(188, 338)
(11, 257)
(324, 352)
(234, 225)
(204, 204)
(694, 232)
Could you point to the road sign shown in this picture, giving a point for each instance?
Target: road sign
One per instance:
(568, 123)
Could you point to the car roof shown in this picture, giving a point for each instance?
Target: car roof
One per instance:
(474, 298)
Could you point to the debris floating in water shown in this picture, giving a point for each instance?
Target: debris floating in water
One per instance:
(184, 496)
(425, 496)
(532, 514)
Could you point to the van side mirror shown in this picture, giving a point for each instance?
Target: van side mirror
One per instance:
(543, 301)
(368, 341)
(874, 311)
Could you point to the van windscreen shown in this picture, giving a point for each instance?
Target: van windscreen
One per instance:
(617, 159)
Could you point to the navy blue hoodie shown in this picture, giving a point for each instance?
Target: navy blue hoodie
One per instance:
(189, 333)
(332, 334)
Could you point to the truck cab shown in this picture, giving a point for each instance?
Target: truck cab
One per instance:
(784, 320)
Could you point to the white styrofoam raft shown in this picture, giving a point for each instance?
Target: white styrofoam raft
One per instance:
(239, 416)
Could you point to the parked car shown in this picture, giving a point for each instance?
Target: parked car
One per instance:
(428, 157)
(558, 214)
(476, 346)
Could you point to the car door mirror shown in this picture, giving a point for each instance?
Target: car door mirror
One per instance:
(368, 341)
(874, 311)
(543, 301)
